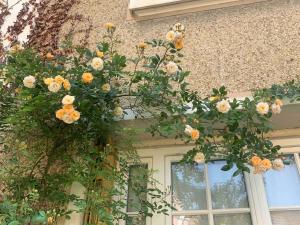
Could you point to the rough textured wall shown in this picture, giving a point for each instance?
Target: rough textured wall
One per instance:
(242, 47)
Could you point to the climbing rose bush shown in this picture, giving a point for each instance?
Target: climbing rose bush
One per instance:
(61, 123)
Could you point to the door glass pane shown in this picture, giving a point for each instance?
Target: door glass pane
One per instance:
(283, 187)
(190, 220)
(226, 191)
(137, 182)
(188, 186)
(286, 218)
(233, 219)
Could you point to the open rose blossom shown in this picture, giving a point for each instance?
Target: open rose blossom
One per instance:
(278, 102)
(29, 81)
(87, 78)
(276, 109)
(170, 36)
(223, 106)
(48, 81)
(105, 88)
(54, 86)
(193, 133)
(68, 100)
(278, 164)
(262, 108)
(171, 68)
(97, 63)
(59, 79)
(255, 160)
(118, 111)
(67, 85)
(199, 157)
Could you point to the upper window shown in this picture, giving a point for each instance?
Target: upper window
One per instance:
(147, 9)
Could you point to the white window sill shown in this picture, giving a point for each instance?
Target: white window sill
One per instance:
(149, 9)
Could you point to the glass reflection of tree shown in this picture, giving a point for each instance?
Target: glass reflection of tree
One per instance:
(236, 219)
(229, 194)
(188, 185)
(136, 221)
(190, 220)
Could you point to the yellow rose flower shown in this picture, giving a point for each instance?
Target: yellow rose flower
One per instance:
(54, 86)
(255, 160)
(105, 88)
(68, 108)
(59, 114)
(171, 68)
(87, 78)
(97, 63)
(262, 108)
(50, 220)
(276, 109)
(142, 45)
(179, 43)
(48, 81)
(266, 163)
(118, 111)
(170, 36)
(68, 100)
(29, 81)
(278, 164)
(109, 26)
(195, 134)
(223, 106)
(67, 85)
(49, 56)
(214, 98)
(278, 102)
(67, 118)
(178, 27)
(59, 79)
(75, 115)
(199, 157)
(99, 54)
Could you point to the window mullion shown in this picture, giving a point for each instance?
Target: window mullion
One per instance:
(208, 197)
(259, 201)
(297, 160)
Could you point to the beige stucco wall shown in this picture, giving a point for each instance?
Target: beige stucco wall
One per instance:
(242, 47)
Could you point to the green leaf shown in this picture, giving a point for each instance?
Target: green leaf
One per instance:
(14, 223)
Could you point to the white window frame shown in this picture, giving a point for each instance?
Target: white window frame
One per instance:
(143, 160)
(260, 212)
(148, 9)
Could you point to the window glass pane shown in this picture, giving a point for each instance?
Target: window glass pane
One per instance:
(190, 220)
(283, 187)
(226, 191)
(136, 221)
(286, 218)
(136, 183)
(232, 219)
(188, 186)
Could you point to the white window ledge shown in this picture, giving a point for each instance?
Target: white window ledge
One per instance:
(149, 9)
